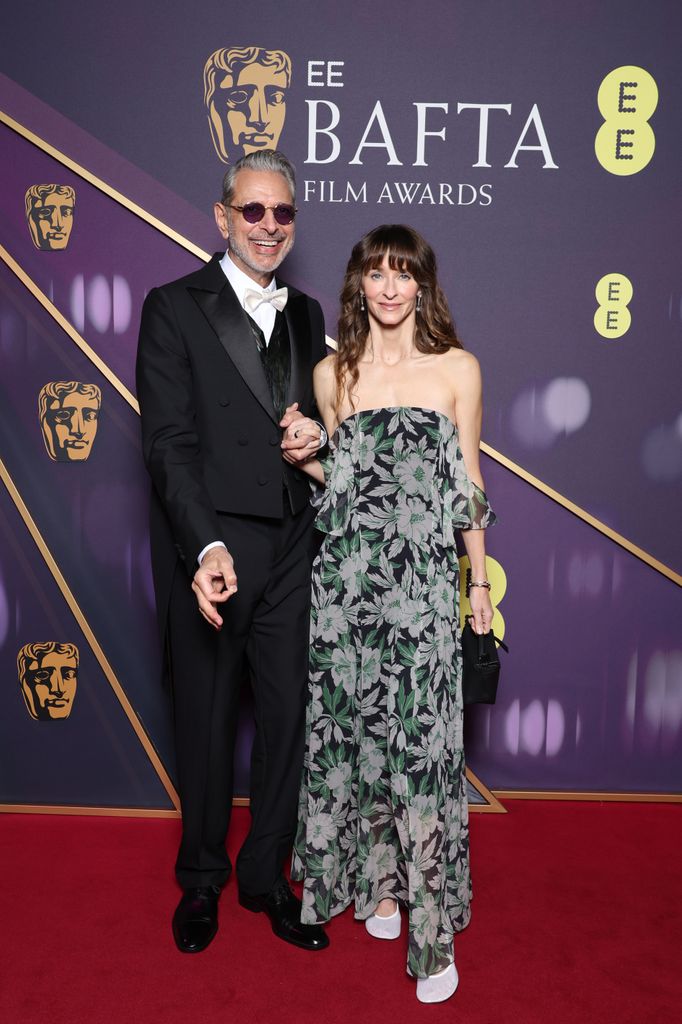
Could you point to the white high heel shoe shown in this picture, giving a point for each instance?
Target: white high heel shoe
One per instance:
(438, 987)
(384, 927)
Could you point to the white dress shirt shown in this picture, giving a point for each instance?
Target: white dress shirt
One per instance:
(265, 314)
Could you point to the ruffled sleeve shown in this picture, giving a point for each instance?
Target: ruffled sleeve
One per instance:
(464, 506)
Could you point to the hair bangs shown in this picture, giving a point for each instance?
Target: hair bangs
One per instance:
(397, 244)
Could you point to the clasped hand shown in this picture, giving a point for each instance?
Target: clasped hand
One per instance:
(301, 438)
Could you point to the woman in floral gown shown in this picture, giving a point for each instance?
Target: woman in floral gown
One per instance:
(383, 808)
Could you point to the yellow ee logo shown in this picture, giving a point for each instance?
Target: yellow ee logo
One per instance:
(612, 318)
(627, 98)
(498, 588)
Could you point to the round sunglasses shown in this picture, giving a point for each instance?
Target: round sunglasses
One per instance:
(254, 212)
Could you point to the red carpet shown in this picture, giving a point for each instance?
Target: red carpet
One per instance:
(576, 919)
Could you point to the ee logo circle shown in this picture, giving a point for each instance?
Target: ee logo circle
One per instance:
(612, 318)
(627, 98)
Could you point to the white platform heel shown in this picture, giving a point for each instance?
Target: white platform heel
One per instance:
(438, 987)
(384, 927)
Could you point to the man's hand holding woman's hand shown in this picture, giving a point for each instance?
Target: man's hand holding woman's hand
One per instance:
(301, 438)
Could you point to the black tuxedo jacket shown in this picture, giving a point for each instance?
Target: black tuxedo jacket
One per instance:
(210, 434)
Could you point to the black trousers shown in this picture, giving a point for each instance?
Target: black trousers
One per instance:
(264, 635)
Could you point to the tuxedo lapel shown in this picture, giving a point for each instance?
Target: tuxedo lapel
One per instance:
(219, 304)
(296, 314)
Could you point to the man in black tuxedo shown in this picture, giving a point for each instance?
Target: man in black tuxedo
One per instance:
(224, 355)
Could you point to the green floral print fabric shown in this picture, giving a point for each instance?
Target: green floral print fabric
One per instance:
(383, 809)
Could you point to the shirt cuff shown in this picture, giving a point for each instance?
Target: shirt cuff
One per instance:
(213, 544)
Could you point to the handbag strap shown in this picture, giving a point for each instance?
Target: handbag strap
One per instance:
(480, 636)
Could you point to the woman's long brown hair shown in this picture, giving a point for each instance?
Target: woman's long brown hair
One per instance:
(406, 250)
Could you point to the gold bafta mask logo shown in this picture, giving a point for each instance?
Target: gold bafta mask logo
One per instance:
(49, 215)
(69, 412)
(48, 675)
(245, 91)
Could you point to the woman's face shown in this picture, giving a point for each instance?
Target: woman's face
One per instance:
(390, 295)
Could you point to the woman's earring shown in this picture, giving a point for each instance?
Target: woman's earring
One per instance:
(362, 301)
(419, 303)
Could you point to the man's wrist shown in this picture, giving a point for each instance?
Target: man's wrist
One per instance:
(205, 551)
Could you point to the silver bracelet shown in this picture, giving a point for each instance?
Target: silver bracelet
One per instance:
(479, 583)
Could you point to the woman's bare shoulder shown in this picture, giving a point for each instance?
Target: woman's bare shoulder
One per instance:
(461, 358)
(461, 365)
(462, 372)
(324, 386)
(326, 368)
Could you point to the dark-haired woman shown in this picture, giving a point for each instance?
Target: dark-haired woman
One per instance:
(383, 810)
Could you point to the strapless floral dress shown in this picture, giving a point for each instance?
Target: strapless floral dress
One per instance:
(383, 806)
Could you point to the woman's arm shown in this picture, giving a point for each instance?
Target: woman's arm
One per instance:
(469, 414)
(324, 388)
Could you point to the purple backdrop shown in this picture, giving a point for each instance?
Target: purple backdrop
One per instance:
(591, 697)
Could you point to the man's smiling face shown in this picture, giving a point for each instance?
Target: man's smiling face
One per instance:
(257, 249)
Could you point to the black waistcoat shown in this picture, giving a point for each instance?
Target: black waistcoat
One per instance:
(276, 360)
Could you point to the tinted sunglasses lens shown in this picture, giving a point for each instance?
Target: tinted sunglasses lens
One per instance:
(284, 214)
(253, 212)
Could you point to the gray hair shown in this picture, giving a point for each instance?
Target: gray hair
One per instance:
(260, 160)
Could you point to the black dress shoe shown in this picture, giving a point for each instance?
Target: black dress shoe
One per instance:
(284, 910)
(195, 920)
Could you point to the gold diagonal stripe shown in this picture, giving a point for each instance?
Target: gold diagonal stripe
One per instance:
(89, 635)
(87, 811)
(587, 517)
(108, 190)
(513, 467)
(28, 311)
(66, 326)
(492, 805)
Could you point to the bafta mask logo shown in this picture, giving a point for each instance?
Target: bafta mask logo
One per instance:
(245, 92)
(48, 675)
(69, 412)
(49, 214)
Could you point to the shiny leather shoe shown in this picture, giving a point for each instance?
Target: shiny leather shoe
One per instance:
(284, 910)
(195, 921)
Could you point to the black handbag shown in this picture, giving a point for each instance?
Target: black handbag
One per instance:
(480, 665)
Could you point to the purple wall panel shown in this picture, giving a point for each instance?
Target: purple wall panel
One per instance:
(591, 696)
(92, 515)
(520, 270)
(112, 260)
(93, 757)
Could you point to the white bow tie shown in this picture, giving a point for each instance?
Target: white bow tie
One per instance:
(253, 297)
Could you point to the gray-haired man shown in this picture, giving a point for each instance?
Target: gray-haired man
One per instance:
(224, 354)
